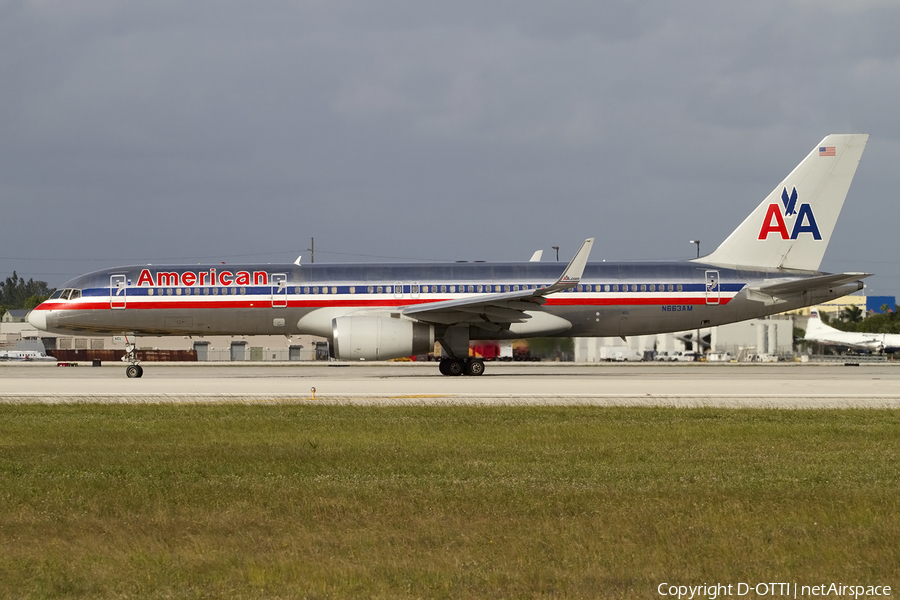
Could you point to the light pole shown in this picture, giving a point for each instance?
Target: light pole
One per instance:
(557, 252)
(697, 347)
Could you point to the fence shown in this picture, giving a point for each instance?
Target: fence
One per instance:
(246, 354)
(112, 355)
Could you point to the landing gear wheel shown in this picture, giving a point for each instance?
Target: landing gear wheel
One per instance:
(133, 370)
(474, 366)
(452, 367)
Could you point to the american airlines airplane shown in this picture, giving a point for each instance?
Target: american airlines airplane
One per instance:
(817, 331)
(769, 264)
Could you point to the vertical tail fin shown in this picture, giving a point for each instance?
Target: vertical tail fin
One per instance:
(815, 326)
(792, 226)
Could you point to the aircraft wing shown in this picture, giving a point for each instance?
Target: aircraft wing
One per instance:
(490, 311)
(774, 290)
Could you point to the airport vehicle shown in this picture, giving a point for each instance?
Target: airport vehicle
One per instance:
(769, 264)
(685, 356)
(618, 354)
(817, 331)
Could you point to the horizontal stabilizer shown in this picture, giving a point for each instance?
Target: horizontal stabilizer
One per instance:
(798, 286)
(776, 291)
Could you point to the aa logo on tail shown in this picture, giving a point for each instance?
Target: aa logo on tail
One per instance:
(804, 220)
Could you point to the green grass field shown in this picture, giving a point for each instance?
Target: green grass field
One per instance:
(299, 501)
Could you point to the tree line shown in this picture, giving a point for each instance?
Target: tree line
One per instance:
(16, 293)
(853, 318)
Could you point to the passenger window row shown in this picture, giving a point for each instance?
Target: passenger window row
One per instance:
(473, 288)
(204, 291)
(71, 294)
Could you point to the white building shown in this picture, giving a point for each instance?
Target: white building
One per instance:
(209, 348)
(773, 336)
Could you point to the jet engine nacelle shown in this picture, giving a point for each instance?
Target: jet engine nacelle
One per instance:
(379, 338)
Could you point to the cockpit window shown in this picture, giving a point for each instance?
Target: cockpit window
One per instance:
(56, 294)
(75, 294)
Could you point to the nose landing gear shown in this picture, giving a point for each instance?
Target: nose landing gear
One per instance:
(133, 370)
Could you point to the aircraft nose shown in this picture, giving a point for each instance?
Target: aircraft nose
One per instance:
(38, 319)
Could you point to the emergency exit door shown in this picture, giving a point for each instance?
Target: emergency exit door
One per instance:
(712, 287)
(117, 291)
(279, 290)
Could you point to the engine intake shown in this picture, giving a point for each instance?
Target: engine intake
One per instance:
(379, 338)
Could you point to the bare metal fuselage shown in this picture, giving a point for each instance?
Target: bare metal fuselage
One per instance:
(612, 299)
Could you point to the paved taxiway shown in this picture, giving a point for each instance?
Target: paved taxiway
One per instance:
(645, 384)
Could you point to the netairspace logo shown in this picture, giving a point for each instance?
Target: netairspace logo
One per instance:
(777, 589)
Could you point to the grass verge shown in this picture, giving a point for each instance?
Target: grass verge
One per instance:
(440, 502)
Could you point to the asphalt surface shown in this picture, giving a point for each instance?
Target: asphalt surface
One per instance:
(781, 385)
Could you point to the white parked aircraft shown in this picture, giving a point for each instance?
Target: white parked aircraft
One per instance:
(769, 264)
(819, 332)
(21, 353)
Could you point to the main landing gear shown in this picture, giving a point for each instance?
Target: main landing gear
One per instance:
(134, 369)
(454, 342)
(456, 366)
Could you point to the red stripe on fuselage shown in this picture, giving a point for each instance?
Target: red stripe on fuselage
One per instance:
(135, 304)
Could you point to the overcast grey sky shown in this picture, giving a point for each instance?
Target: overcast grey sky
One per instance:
(234, 131)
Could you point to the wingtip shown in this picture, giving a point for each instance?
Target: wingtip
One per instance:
(575, 269)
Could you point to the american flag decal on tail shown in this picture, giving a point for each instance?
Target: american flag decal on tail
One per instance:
(826, 150)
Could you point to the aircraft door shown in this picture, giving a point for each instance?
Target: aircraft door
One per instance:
(279, 290)
(117, 291)
(712, 287)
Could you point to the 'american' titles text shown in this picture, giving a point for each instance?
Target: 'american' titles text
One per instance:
(211, 277)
